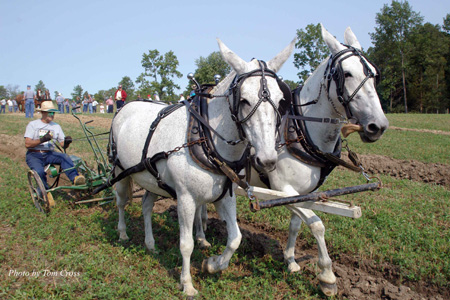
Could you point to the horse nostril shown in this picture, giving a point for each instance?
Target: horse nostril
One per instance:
(268, 165)
(373, 128)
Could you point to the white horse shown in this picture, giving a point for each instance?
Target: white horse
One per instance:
(193, 185)
(295, 177)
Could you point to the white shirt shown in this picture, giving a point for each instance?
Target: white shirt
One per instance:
(9, 103)
(3, 102)
(94, 103)
(119, 95)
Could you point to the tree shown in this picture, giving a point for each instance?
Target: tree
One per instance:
(77, 92)
(211, 65)
(40, 86)
(292, 84)
(56, 94)
(161, 69)
(13, 90)
(313, 50)
(395, 23)
(428, 64)
(446, 25)
(3, 92)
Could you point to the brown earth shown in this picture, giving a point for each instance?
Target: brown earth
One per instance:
(356, 278)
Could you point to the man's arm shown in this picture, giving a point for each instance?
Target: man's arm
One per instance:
(30, 143)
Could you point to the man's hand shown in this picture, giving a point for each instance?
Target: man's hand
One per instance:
(67, 141)
(47, 137)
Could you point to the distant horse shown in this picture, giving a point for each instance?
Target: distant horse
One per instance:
(40, 96)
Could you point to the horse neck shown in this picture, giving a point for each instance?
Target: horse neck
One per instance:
(220, 119)
(323, 135)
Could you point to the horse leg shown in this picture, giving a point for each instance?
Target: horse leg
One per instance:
(148, 200)
(186, 214)
(327, 280)
(289, 252)
(122, 195)
(227, 211)
(200, 227)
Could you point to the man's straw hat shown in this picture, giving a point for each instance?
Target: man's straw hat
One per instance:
(47, 106)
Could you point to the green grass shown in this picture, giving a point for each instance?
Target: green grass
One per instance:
(405, 225)
(420, 121)
(406, 145)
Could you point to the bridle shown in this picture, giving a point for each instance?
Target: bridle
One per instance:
(263, 94)
(334, 71)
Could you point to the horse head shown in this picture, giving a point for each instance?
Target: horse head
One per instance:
(352, 80)
(255, 100)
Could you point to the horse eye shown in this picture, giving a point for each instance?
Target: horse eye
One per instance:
(347, 74)
(245, 102)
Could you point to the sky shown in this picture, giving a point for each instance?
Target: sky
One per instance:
(96, 43)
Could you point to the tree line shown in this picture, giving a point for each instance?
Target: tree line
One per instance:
(413, 58)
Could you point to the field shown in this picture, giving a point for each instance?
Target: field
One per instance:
(398, 249)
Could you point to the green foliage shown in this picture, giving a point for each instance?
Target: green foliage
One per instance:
(313, 50)
(40, 86)
(161, 69)
(3, 92)
(292, 84)
(77, 92)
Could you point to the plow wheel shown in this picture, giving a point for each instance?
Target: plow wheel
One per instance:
(38, 192)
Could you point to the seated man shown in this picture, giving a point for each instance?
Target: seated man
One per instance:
(38, 141)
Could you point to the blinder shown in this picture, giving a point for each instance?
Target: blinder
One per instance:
(264, 95)
(336, 73)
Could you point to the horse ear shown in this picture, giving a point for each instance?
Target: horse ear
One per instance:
(237, 63)
(277, 62)
(332, 43)
(350, 39)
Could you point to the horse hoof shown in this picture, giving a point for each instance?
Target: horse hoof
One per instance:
(328, 289)
(203, 244)
(293, 267)
(123, 237)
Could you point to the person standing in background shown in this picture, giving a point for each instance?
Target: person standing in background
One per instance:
(90, 100)
(109, 105)
(10, 105)
(29, 97)
(16, 107)
(120, 97)
(3, 106)
(60, 102)
(94, 105)
(66, 104)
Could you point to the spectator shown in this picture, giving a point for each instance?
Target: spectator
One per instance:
(29, 97)
(16, 107)
(149, 97)
(10, 105)
(120, 97)
(139, 97)
(181, 98)
(60, 102)
(90, 100)
(109, 105)
(38, 141)
(94, 105)
(85, 103)
(74, 104)
(3, 106)
(66, 104)
(102, 108)
(156, 96)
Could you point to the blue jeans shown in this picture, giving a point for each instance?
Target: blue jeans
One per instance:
(85, 108)
(67, 109)
(29, 108)
(61, 108)
(2, 109)
(16, 108)
(90, 108)
(37, 161)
